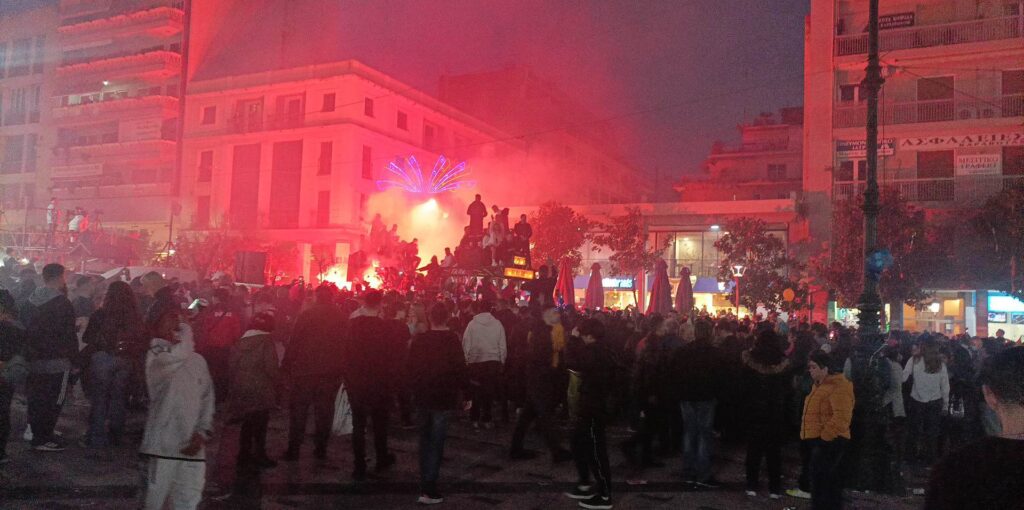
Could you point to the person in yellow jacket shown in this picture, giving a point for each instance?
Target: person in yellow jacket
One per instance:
(826, 427)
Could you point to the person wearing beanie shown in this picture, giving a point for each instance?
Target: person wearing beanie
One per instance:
(179, 421)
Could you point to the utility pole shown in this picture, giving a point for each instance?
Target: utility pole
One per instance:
(870, 302)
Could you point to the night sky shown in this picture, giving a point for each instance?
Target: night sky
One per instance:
(671, 76)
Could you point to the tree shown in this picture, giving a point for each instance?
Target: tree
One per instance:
(901, 231)
(747, 242)
(627, 238)
(988, 249)
(558, 232)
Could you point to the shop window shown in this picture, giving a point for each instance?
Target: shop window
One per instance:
(1013, 160)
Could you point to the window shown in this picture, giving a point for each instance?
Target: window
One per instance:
(16, 111)
(328, 105)
(368, 107)
(3, 60)
(202, 218)
(935, 99)
(323, 208)
(367, 162)
(362, 206)
(429, 135)
(1013, 93)
(30, 152)
(40, 55)
(934, 164)
(403, 121)
(777, 172)
(33, 110)
(326, 158)
(846, 171)
(21, 54)
(11, 163)
(849, 93)
(209, 115)
(1013, 160)
(205, 173)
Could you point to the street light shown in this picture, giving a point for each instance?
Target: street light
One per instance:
(737, 273)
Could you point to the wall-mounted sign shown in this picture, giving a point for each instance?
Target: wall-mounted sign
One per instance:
(898, 20)
(617, 283)
(846, 149)
(979, 164)
(515, 272)
(972, 140)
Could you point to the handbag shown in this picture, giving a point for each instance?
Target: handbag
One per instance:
(342, 425)
(956, 407)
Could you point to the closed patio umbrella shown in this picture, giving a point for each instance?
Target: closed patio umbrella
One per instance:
(563, 286)
(684, 293)
(595, 290)
(661, 290)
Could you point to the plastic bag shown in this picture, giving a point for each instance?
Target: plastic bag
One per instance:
(342, 425)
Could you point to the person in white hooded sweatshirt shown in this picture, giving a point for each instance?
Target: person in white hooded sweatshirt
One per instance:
(484, 345)
(179, 422)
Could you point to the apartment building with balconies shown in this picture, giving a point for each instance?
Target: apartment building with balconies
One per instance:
(951, 110)
(295, 155)
(28, 54)
(114, 109)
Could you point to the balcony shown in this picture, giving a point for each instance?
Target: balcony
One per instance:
(76, 171)
(157, 22)
(991, 29)
(781, 145)
(962, 190)
(115, 104)
(942, 110)
(157, 64)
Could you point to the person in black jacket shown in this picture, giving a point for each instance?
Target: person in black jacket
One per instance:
(765, 383)
(12, 343)
(312, 368)
(436, 370)
(593, 362)
(699, 368)
(370, 364)
(116, 333)
(52, 343)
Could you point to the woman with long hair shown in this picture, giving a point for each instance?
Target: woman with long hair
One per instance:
(929, 398)
(765, 383)
(116, 334)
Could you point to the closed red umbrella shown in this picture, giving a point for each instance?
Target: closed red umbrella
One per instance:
(563, 286)
(684, 293)
(661, 290)
(595, 290)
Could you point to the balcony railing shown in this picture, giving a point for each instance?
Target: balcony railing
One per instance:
(971, 189)
(991, 29)
(767, 146)
(940, 110)
(113, 103)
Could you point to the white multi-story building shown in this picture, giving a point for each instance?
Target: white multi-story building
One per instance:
(294, 155)
(951, 114)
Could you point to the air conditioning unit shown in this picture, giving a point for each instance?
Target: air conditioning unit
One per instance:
(967, 113)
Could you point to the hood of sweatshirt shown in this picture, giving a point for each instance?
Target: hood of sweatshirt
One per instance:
(251, 339)
(485, 320)
(43, 295)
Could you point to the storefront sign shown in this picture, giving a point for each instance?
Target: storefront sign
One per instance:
(143, 129)
(899, 20)
(1004, 303)
(515, 272)
(972, 140)
(846, 149)
(617, 283)
(979, 164)
(519, 261)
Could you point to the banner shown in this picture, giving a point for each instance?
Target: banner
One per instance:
(956, 141)
(979, 164)
(899, 20)
(846, 149)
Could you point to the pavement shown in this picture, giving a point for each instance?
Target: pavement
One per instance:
(476, 474)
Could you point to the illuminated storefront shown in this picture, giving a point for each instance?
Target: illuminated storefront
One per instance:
(1005, 313)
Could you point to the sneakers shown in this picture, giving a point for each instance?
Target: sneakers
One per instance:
(581, 491)
(797, 493)
(430, 499)
(597, 503)
(51, 446)
(775, 496)
(752, 494)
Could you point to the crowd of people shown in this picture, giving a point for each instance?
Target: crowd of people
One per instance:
(682, 383)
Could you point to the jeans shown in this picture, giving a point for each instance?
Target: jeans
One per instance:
(6, 393)
(827, 473)
(590, 451)
(923, 422)
(698, 439)
(252, 438)
(107, 391)
(433, 431)
(319, 393)
(485, 379)
(46, 394)
(765, 441)
(375, 409)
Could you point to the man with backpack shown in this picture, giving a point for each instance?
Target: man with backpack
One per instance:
(49, 321)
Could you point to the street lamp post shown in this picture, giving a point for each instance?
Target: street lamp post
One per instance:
(737, 273)
(870, 303)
